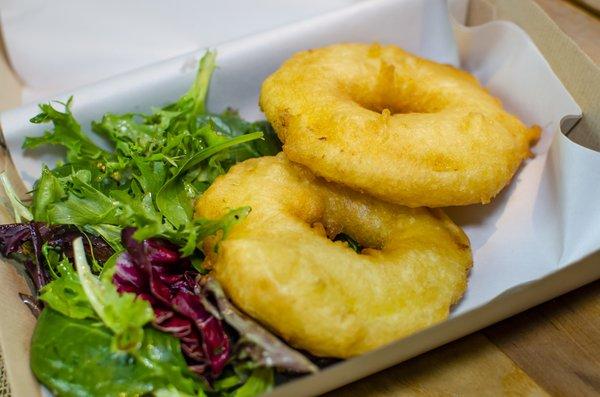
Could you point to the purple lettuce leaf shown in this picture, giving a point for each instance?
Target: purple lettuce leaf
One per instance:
(24, 241)
(191, 308)
(155, 270)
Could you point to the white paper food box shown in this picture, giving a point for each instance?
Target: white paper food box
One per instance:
(529, 244)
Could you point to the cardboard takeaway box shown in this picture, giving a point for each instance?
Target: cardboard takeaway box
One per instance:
(579, 76)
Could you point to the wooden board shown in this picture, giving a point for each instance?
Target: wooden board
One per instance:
(558, 343)
(468, 367)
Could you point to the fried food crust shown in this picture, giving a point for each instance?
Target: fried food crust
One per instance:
(279, 266)
(383, 121)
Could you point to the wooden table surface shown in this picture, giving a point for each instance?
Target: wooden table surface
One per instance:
(552, 349)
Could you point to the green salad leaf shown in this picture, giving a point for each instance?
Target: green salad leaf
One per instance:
(157, 165)
(21, 212)
(245, 380)
(75, 357)
(65, 293)
(91, 339)
(174, 199)
(79, 294)
(353, 244)
(48, 190)
(123, 313)
(67, 132)
(171, 391)
(260, 381)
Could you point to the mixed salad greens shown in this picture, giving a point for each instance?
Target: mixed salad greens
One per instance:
(114, 257)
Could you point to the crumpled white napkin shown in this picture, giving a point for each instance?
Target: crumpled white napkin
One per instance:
(57, 45)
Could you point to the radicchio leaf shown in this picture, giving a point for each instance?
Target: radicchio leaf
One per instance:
(24, 239)
(23, 242)
(155, 270)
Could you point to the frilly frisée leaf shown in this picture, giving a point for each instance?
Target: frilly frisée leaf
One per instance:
(159, 163)
(67, 132)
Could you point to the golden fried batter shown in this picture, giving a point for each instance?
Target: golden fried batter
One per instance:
(385, 122)
(279, 266)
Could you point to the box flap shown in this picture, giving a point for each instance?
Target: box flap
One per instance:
(579, 74)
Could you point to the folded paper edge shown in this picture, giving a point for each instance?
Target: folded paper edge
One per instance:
(579, 74)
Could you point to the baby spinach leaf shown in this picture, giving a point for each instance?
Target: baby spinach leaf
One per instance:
(75, 358)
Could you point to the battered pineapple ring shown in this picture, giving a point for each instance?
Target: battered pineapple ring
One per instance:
(399, 127)
(278, 265)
